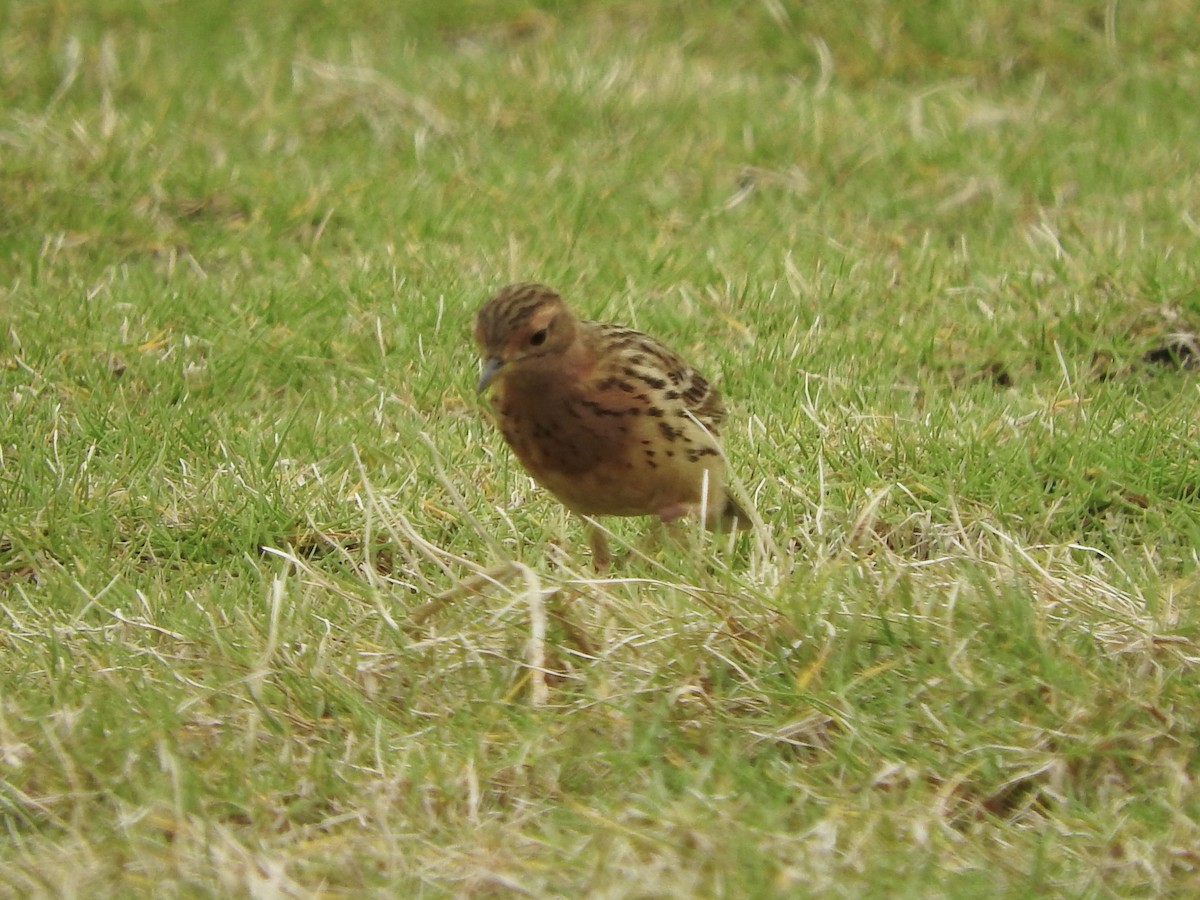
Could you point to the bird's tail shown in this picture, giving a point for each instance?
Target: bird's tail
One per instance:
(734, 515)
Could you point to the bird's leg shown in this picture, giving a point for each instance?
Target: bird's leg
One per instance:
(673, 524)
(674, 511)
(598, 541)
(677, 534)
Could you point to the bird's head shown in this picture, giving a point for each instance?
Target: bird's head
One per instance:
(520, 324)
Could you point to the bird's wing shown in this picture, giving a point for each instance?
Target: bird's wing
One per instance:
(627, 358)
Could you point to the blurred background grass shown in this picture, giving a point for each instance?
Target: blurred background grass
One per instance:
(941, 259)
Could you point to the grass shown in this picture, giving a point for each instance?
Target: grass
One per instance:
(282, 616)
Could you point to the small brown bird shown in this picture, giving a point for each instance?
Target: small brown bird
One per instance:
(604, 417)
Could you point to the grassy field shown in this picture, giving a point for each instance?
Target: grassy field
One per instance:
(280, 615)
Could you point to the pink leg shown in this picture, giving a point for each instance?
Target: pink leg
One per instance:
(674, 511)
(601, 556)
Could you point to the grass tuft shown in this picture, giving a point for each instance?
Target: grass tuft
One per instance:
(279, 612)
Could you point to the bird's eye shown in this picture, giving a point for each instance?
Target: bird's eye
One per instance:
(538, 338)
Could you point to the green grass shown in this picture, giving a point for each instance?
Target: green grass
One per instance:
(271, 585)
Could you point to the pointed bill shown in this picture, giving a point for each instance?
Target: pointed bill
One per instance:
(490, 368)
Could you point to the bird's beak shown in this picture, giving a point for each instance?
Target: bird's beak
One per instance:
(491, 367)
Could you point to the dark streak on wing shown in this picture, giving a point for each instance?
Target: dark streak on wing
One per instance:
(645, 359)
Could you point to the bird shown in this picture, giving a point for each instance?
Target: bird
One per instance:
(606, 418)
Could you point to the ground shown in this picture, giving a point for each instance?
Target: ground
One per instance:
(281, 616)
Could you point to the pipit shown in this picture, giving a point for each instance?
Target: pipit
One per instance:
(606, 418)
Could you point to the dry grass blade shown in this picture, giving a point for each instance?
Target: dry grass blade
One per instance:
(280, 617)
